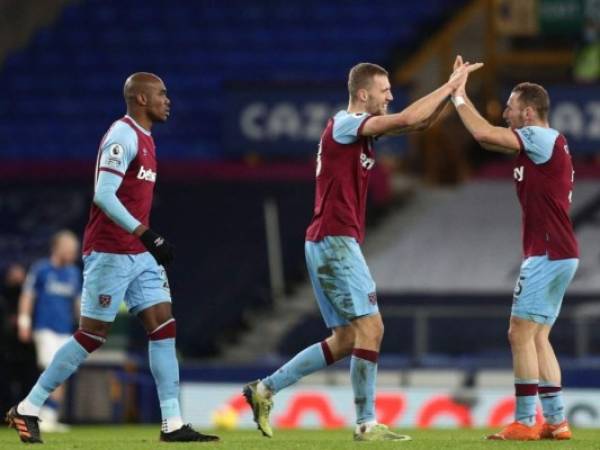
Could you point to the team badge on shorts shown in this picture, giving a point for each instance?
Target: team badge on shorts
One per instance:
(104, 300)
(373, 298)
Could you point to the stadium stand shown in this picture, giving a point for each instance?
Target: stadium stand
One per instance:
(218, 275)
(478, 226)
(86, 56)
(445, 261)
(62, 114)
(448, 263)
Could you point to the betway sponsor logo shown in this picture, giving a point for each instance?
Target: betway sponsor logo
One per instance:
(146, 174)
(366, 162)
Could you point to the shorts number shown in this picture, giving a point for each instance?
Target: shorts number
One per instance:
(518, 289)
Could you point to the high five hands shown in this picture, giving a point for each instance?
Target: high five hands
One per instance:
(460, 74)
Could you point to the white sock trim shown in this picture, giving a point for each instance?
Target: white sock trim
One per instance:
(162, 325)
(94, 336)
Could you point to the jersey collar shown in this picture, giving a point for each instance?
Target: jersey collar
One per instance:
(138, 126)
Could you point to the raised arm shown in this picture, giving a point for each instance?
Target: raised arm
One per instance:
(490, 137)
(423, 112)
(412, 118)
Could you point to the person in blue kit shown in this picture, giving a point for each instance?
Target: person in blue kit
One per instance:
(47, 311)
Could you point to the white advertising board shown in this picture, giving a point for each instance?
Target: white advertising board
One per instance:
(222, 405)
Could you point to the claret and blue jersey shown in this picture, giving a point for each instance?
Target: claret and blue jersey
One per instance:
(117, 266)
(124, 188)
(344, 162)
(544, 177)
(543, 174)
(336, 266)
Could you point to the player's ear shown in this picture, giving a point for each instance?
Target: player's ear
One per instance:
(362, 94)
(141, 99)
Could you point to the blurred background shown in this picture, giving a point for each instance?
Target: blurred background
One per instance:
(252, 84)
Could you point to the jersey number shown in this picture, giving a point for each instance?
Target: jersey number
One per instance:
(319, 158)
(572, 181)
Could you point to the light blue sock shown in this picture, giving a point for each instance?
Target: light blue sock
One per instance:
(363, 374)
(553, 403)
(306, 362)
(165, 370)
(66, 361)
(526, 393)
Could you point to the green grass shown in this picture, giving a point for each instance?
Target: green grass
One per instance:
(146, 437)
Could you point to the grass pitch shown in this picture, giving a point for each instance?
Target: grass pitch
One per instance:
(146, 437)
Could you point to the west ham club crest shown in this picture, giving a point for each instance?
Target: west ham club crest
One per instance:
(104, 300)
(373, 298)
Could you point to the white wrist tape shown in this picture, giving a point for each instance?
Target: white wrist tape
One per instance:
(458, 100)
(24, 321)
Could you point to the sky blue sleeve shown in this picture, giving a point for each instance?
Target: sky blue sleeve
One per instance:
(538, 142)
(118, 149)
(106, 199)
(346, 126)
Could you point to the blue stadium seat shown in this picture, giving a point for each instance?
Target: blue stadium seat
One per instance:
(196, 47)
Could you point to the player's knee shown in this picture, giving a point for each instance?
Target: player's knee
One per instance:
(375, 323)
(370, 329)
(155, 316)
(377, 331)
(373, 337)
(511, 335)
(166, 330)
(516, 336)
(541, 340)
(88, 340)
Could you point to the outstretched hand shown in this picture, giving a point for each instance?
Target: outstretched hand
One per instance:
(457, 62)
(459, 77)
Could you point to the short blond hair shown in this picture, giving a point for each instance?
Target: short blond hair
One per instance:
(361, 76)
(56, 237)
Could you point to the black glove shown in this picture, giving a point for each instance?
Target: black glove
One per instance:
(158, 246)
